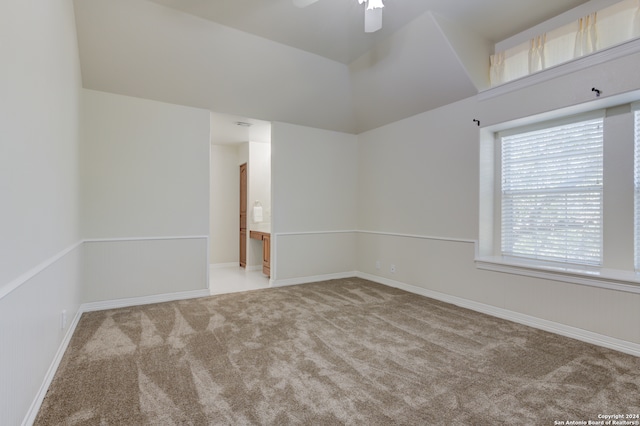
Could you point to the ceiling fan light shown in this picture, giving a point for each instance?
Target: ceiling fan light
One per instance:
(372, 20)
(374, 4)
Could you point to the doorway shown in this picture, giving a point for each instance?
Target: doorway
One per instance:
(240, 162)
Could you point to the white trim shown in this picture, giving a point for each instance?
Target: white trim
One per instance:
(143, 300)
(208, 271)
(598, 277)
(391, 234)
(273, 262)
(51, 372)
(311, 279)
(4, 291)
(553, 327)
(125, 239)
(31, 414)
(289, 234)
(421, 237)
(627, 281)
(615, 52)
(542, 324)
(90, 307)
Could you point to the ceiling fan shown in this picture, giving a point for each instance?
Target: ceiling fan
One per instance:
(372, 13)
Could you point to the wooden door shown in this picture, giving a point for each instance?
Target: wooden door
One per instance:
(243, 215)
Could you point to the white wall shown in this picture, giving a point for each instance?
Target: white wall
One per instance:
(259, 190)
(225, 162)
(225, 201)
(259, 181)
(418, 197)
(40, 255)
(182, 59)
(395, 78)
(314, 179)
(145, 179)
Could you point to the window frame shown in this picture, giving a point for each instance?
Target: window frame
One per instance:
(618, 270)
(499, 179)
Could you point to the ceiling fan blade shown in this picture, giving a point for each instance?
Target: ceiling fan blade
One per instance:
(303, 3)
(372, 20)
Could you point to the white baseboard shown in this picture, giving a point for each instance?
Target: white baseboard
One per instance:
(97, 306)
(553, 327)
(51, 372)
(311, 279)
(144, 300)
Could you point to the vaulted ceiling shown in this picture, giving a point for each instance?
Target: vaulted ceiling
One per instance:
(269, 60)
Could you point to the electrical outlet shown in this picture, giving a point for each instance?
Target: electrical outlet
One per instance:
(393, 269)
(377, 264)
(63, 319)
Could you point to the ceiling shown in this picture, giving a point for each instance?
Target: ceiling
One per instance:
(232, 129)
(271, 61)
(334, 29)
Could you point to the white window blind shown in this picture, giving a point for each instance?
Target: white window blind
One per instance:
(637, 188)
(552, 193)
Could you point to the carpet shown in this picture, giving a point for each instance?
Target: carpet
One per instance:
(340, 352)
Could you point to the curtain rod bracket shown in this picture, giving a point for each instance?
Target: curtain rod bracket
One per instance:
(477, 122)
(593, 89)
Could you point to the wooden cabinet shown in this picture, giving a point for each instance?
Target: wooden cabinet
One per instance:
(266, 250)
(266, 255)
(243, 248)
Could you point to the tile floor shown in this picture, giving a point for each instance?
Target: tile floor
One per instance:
(232, 279)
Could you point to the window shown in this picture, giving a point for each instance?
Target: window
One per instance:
(611, 26)
(556, 197)
(552, 192)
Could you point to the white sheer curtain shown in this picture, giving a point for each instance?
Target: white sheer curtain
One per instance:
(497, 69)
(586, 37)
(560, 44)
(602, 29)
(616, 23)
(536, 54)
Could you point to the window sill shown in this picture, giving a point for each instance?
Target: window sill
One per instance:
(613, 279)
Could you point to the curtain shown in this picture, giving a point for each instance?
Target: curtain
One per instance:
(560, 44)
(586, 37)
(616, 23)
(605, 28)
(496, 71)
(536, 54)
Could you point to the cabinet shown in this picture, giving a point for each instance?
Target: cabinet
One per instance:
(266, 249)
(266, 254)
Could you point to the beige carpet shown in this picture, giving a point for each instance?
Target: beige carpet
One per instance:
(337, 352)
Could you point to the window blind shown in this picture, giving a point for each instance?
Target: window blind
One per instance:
(552, 193)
